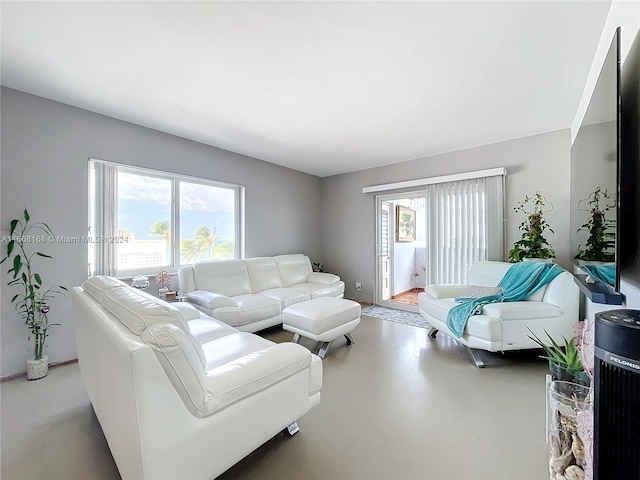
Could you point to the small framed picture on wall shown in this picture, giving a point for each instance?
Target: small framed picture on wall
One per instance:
(405, 224)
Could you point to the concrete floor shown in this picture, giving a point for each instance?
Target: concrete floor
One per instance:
(395, 405)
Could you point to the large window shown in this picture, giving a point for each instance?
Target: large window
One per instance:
(142, 220)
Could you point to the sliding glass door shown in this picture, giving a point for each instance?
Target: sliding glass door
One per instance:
(434, 235)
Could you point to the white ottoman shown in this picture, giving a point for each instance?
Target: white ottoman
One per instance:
(322, 319)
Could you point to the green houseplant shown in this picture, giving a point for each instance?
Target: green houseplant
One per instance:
(32, 301)
(564, 360)
(533, 244)
(601, 241)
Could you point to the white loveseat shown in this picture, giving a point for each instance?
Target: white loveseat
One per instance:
(504, 326)
(178, 394)
(251, 294)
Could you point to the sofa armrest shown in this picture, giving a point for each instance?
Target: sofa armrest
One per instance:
(320, 277)
(445, 291)
(210, 299)
(255, 372)
(188, 311)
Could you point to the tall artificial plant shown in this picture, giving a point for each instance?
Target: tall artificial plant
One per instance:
(533, 244)
(601, 239)
(32, 301)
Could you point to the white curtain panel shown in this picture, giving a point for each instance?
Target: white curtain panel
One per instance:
(465, 224)
(105, 219)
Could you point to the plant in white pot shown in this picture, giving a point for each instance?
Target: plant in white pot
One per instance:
(533, 244)
(32, 300)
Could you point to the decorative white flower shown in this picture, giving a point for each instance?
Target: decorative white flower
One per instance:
(585, 344)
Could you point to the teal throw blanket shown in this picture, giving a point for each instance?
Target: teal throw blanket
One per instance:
(605, 273)
(521, 281)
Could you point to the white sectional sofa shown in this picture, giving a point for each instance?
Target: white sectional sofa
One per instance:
(251, 294)
(504, 326)
(178, 394)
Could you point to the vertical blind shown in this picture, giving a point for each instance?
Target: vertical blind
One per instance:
(105, 218)
(465, 224)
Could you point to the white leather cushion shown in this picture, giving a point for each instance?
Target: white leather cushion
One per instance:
(444, 291)
(227, 277)
(562, 291)
(477, 291)
(206, 329)
(251, 308)
(182, 364)
(287, 296)
(96, 286)
(315, 375)
(322, 277)
(521, 310)
(186, 279)
(321, 314)
(488, 273)
(538, 295)
(293, 268)
(188, 312)
(316, 290)
(484, 327)
(231, 347)
(255, 372)
(137, 310)
(263, 274)
(438, 308)
(210, 299)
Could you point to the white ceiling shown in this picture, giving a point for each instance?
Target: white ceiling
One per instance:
(320, 87)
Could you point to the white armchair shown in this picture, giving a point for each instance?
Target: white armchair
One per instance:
(504, 326)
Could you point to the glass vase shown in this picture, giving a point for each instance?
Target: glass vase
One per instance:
(560, 373)
(570, 431)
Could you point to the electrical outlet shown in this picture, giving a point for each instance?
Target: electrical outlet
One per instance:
(358, 287)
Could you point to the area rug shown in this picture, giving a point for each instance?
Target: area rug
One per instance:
(399, 316)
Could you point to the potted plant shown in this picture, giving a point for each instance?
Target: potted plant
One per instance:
(564, 360)
(533, 244)
(31, 301)
(601, 241)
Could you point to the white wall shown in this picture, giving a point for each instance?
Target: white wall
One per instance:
(403, 255)
(45, 148)
(626, 15)
(540, 162)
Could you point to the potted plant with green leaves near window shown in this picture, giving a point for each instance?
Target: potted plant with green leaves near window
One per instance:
(599, 246)
(31, 301)
(533, 244)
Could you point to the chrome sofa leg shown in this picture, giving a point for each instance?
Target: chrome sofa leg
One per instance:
(475, 358)
(432, 332)
(350, 340)
(296, 338)
(293, 428)
(323, 350)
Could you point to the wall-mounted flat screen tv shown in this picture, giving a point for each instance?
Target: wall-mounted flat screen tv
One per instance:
(594, 175)
(628, 259)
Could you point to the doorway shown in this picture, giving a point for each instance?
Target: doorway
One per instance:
(400, 249)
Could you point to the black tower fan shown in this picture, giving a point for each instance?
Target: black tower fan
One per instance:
(616, 454)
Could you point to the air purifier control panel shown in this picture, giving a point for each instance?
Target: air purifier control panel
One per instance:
(622, 317)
